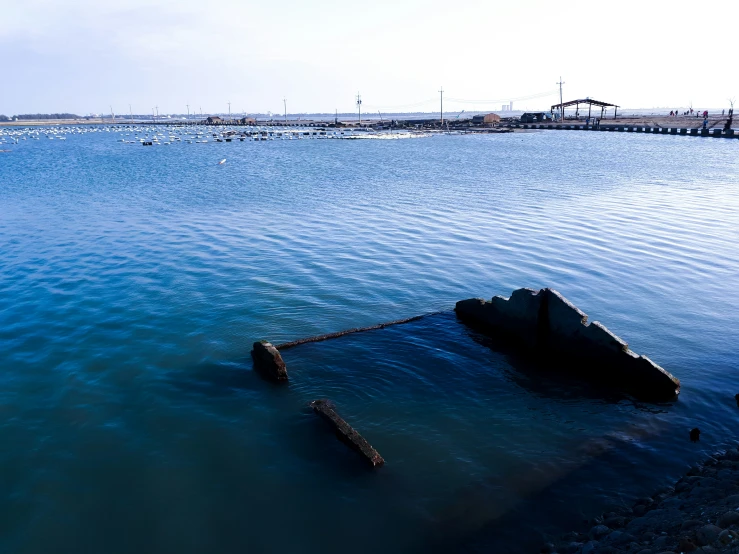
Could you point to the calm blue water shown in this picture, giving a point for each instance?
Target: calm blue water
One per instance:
(134, 280)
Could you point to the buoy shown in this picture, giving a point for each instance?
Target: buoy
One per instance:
(223, 161)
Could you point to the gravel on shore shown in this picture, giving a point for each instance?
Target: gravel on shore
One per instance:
(699, 514)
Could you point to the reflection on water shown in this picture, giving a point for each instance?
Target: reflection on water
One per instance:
(134, 280)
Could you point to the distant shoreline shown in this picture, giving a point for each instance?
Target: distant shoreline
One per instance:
(654, 120)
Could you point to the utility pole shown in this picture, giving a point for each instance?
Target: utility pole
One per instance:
(336, 116)
(188, 112)
(441, 108)
(130, 111)
(561, 108)
(229, 111)
(112, 115)
(359, 107)
(153, 117)
(284, 101)
(157, 107)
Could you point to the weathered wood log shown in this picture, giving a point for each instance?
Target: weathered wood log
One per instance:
(345, 433)
(268, 362)
(327, 336)
(545, 323)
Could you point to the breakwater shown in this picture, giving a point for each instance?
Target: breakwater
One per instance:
(646, 129)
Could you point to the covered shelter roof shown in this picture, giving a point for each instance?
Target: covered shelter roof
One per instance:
(585, 101)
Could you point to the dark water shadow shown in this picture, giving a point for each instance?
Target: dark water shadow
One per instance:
(548, 503)
(553, 378)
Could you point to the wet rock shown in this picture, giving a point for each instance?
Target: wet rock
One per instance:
(346, 433)
(268, 362)
(547, 548)
(661, 541)
(598, 531)
(672, 503)
(638, 525)
(695, 434)
(690, 524)
(705, 493)
(615, 522)
(640, 510)
(589, 547)
(619, 537)
(736, 397)
(732, 455)
(545, 322)
(725, 474)
(707, 534)
(687, 545)
(571, 548)
(728, 519)
(726, 536)
(648, 536)
(682, 486)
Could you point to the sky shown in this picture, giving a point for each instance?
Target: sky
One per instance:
(86, 56)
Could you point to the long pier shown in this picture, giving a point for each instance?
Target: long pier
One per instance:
(630, 128)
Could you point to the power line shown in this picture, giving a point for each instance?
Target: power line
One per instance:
(495, 101)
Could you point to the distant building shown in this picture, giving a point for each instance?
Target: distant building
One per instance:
(535, 117)
(487, 119)
(248, 121)
(213, 120)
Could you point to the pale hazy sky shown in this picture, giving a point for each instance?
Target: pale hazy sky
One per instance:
(84, 55)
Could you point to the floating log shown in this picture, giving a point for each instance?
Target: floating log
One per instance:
(345, 433)
(546, 323)
(268, 362)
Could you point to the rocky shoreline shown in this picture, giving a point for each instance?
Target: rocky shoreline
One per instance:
(699, 514)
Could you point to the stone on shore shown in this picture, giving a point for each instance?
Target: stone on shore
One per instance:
(699, 514)
(346, 433)
(548, 324)
(728, 519)
(708, 534)
(268, 362)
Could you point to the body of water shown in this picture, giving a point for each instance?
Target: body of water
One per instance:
(133, 281)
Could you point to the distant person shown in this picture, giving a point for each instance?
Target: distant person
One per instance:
(723, 112)
(671, 114)
(705, 123)
(705, 113)
(691, 111)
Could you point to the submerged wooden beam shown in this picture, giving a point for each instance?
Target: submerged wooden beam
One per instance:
(327, 336)
(345, 433)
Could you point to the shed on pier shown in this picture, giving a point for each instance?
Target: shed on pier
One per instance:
(585, 101)
(486, 119)
(213, 120)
